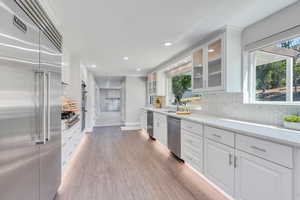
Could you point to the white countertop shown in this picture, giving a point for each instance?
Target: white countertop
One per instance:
(273, 133)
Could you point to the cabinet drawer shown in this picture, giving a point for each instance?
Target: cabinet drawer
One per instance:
(192, 127)
(194, 163)
(271, 151)
(193, 156)
(219, 135)
(191, 139)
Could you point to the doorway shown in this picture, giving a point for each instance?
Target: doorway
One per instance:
(111, 102)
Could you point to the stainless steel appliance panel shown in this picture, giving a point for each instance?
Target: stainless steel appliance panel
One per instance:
(50, 152)
(150, 123)
(19, 57)
(174, 136)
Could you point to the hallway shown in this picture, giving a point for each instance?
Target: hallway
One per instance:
(115, 165)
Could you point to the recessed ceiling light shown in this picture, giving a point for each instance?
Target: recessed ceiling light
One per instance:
(211, 50)
(93, 66)
(138, 69)
(167, 44)
(125, 58)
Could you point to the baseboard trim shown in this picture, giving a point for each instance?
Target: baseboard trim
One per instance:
(131, 126)
(109, 124)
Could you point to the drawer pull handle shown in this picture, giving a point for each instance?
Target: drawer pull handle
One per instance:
(258, 149)
(217, 136)
(230, 159)
(235, 161)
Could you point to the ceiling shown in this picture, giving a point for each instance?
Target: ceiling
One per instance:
(103, 32)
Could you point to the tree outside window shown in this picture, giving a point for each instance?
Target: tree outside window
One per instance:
(277, 72)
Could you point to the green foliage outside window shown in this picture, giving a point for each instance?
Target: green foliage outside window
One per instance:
(271, 77)
(180, 84)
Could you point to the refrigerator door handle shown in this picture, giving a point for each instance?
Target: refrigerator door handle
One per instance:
(42, 105)
(48, 137)
(44, 108)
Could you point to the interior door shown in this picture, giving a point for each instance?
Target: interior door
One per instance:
(19, 155)
(258, 179)
(219, 165)
(50, 152)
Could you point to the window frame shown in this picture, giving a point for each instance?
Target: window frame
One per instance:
(249, 74)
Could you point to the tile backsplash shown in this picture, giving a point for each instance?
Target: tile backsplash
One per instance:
(230, 105)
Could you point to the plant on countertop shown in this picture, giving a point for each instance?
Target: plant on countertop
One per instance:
(292, 118)
(157, 101)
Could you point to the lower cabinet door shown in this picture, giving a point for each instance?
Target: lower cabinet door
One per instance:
(144, 120)
(258, 179)
(219, 165)
(163, 130)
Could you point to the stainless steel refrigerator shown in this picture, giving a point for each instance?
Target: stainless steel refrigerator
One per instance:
(30, 108)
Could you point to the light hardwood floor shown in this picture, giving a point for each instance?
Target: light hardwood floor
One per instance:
(115, 165)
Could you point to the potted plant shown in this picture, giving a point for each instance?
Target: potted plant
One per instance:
(292, 122)
(157, 103)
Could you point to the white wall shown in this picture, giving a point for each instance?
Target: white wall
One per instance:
(278, 22)
(91, 113)
(109, 82)
(91, 101)
(73, 90)
(135, 96)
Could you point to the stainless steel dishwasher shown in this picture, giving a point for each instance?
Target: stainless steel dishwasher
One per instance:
(174, 136)
(150, 124)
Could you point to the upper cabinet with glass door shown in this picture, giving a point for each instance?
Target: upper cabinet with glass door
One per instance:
(217, 64)
(215, 71)
(198, 70)
(156, 83)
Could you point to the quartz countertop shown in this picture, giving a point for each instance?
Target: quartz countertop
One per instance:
(273, 133)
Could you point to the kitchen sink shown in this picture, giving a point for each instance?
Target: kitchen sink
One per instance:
(170, 111)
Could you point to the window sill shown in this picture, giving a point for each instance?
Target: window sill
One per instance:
(272, 103)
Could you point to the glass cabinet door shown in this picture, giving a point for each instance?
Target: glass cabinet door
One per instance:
(198, 70)
(214, 65)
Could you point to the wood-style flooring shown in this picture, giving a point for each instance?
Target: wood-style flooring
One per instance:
(115, 165)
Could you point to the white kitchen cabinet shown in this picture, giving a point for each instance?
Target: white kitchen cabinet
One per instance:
(156, 126)
(70, 141)
(258, 179)
(157, 83)
(219, 165)
(217, 64)
(152, 84)
(192, 149)
(143, 119)
(164, 130)
(198, 70)
(160, 132)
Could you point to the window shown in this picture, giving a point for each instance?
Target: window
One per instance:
(276, 73)
(179, 82)
(179, 78)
